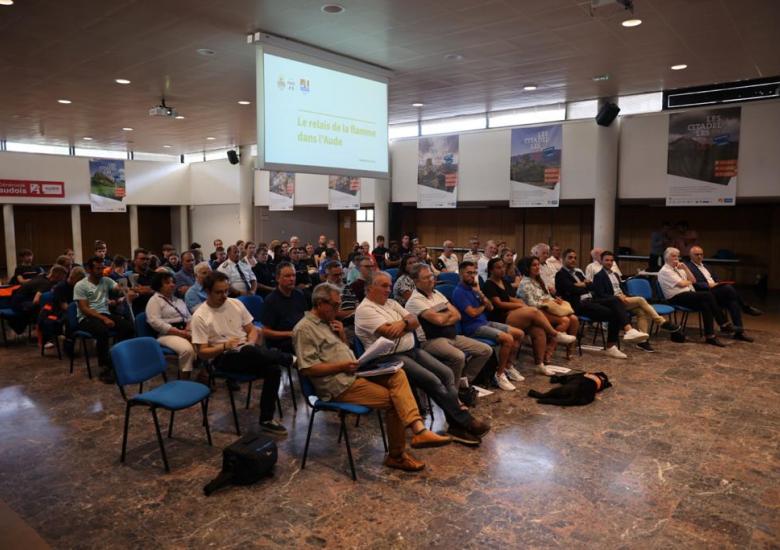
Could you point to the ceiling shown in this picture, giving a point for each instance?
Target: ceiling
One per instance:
(75, 49)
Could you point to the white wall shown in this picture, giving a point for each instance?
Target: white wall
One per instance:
(218, 221)
(484, 164)
(643, 153)
(157, 183)
(312, 189)
(214, 182)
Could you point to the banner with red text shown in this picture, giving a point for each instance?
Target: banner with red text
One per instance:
(32, 189)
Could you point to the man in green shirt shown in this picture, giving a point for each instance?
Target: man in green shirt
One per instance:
(325, 358)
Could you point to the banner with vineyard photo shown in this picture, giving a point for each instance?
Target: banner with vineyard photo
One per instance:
(535, 166)
(107, 188)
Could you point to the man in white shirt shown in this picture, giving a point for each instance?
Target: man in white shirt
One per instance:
(473, 255)
(554, 261)
(448, 261)
(243, 281)
(223, 332)
(379, 316)
(438, 319)
(676, 282)
(491, 250)
(546, 271)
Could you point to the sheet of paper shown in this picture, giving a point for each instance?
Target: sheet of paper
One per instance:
(382, 368)
(381, 347)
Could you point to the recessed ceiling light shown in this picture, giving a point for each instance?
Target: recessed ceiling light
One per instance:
(529, 87)
(6, 2)
(127, 129)
(600, 77)
(210, 138)
(87, 138)
(418, 104)
(333, 9)
(64, 101)
(631, 22)
(121, 81)
(166, 146)
(244, 102)
(679, 67)
(179, 117)
(205, 51)
(453, 57)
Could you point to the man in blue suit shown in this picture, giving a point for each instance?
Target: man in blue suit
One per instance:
(725, 294)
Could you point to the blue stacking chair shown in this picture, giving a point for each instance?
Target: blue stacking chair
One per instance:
(141, 359)
(598, 330)
(447, 278)
(641, 287)
(144, 329)
(447, 290)
(75, 334)
(343, 409)
(47, 299)
(685, 311)
(393, 272)
(254, 304)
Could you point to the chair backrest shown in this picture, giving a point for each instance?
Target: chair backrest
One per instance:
(359, 347)
(47, 298)
(639, 287)
(72, 317)
(447, 278)
(447, 290)
(254, 304)
(137, 360)
(142, 328)
(657, 288)
(393, 272)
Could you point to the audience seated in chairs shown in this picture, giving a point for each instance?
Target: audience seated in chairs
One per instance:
(94, 315)
(26, 269)
(223, 332)
(26, 299)
(404, 285)
(512, 311)
(546, 271)
(554, 260)
(283, 308)
(379, 316)
(358, 286)
(606, 283)
(379, 252)
(473, 305)
(264, 271)
(491, 251)
(118, 270)
(242, 280)
(63, 291)
(573, 287)
(185, 277)
(65, 261)
(512, 276)
(219, 258)
(438, 333)
(393, 257)
(534, 292)
(448, 260)
(172, 263)
(195, 295)
(676, 282)
(168, 315)
(724, 292)
(325, 358)
(334, 274)
(141, 279)
(596, 265)
(473, 254)
(100, 250)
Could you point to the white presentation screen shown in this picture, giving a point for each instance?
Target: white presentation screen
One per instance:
(320, 120)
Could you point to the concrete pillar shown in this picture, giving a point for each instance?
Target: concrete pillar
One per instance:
(133, 211)
(382, 209)
(246, 206)
(606, 186)
(10, 238)
(75, 228)
(184, 227)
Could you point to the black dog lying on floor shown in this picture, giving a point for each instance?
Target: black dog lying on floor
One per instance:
(577, 389)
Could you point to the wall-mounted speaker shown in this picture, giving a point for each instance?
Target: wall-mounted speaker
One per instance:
(232, 157)
(607, 114)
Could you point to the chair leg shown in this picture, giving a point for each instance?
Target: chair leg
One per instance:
(279, 406)
(233, 406)
(124, 435)
(349, 449)
(160, 440)
(86, 356)
(292, 390)
(170, 425)
(430, 409)
(308, 438)
(57, 345)
(357, 421)
(382, 428)
(2, 328)
(248, 394)
(72, 356)
(341, 432)
(204, 407)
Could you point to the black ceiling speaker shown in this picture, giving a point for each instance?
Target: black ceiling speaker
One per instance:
(607, 114)
(232, 157)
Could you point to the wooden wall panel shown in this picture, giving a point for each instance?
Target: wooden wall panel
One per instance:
(3, 262)
(112, 227)
(347, 232)
(154, 227)
(44, 229)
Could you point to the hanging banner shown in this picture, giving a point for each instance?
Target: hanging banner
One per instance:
(32, 189)
(343, 193)
(107, 185)
(281, 190)
(535, 166)
(437, 172)
(702, 159)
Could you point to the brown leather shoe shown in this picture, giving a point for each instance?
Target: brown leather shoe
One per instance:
(478, 427)
(405, 462)
(427, 438)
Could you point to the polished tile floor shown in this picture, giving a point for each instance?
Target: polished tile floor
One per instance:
(683, 451)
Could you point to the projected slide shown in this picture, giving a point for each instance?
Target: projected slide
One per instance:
(323, 118)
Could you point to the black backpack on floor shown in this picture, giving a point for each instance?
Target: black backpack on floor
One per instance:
(245, 462)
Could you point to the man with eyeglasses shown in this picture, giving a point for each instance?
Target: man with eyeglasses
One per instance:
(334, 275)
(365, 268)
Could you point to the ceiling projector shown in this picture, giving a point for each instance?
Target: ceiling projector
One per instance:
(162, 110)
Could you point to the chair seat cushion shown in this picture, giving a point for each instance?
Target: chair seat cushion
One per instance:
(339, 407)
(585, 319)
(82, 334)
(683, 309)
(487, 341)
(175, 395)
(662, 309)
(167, 351)
(8, 313)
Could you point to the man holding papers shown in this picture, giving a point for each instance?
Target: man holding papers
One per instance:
(325, 358)
(378, 316)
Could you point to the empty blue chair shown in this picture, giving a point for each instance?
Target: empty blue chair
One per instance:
(343, 409)
(447, 290)
(254, 304)
(140, 359)
(144, 329)
(393, 272)
(447, 278)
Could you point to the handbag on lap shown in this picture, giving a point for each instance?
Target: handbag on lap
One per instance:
(559, 310)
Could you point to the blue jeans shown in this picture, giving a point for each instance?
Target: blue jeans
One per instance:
(434, 378)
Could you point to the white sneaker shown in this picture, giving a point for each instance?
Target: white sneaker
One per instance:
(615, 353)
(504, 383)
(48, 345)
(633, 336)
(551, 370)
(513, 374)
(563, 338)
